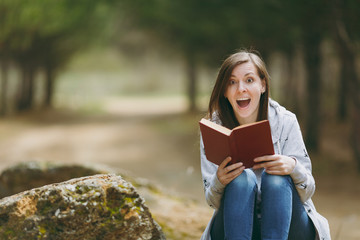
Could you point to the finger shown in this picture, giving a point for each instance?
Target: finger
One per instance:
(266, 165)
(265, 158)
(228, 177)
(234, 174)
(275, 172)
(225, 162)
(259, 165)
(233, 166)
(280, 170)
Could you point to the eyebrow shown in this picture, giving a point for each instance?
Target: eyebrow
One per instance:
(247, 74)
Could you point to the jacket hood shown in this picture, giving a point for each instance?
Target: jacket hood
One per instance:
(276, 118)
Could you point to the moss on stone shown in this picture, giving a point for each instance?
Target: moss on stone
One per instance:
(70, 209)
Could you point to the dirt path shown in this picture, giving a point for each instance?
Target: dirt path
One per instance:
(160, 147)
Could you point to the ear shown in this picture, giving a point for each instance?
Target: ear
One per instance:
(263, 86)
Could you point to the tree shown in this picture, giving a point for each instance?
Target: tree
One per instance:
(205, 31)
(311, 21)
(350, 80)
(4, 84)
(42, 34)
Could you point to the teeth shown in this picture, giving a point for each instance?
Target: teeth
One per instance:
(243, 99)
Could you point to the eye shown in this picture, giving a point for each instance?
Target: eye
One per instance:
(249, 80)
(232, 82)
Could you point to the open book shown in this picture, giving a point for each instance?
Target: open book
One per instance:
(242, 144)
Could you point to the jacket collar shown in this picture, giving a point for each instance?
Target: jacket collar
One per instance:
(275, 116)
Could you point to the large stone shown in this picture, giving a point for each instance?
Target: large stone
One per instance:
(29, 175)
(96, 207)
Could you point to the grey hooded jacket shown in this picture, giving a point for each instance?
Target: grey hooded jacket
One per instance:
(287, 140)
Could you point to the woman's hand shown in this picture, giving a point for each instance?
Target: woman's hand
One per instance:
(275, 164)
(226, 173)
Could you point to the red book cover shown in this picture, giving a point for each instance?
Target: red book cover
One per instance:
(242, 144)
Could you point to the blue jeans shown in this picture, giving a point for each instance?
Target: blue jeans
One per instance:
(282, 213)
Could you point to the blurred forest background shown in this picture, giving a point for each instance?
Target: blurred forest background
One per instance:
(146, 68)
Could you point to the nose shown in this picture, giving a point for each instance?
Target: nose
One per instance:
(241, 87)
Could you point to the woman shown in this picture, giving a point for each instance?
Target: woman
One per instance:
(272, 200)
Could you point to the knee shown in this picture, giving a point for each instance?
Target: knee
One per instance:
(245, 180)
(275, 182)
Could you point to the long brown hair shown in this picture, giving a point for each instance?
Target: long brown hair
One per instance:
(220, 105)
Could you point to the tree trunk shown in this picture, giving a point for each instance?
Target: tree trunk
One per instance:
(348, 58)
(313, 61)
(30, 89)
(49, 86)
(356, 127)
(26, 88)
(343, 88)
(291, 89)
(21, 93)
(4, 84)
(192, 81)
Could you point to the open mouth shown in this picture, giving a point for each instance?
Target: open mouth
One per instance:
(243, 103)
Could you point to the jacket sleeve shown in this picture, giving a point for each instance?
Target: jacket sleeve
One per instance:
(293, 146)
(212, 186)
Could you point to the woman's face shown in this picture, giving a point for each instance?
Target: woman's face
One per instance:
(243, 92)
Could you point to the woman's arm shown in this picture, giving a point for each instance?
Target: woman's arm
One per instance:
(215, 177)
(302, 174)
(212, 186)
